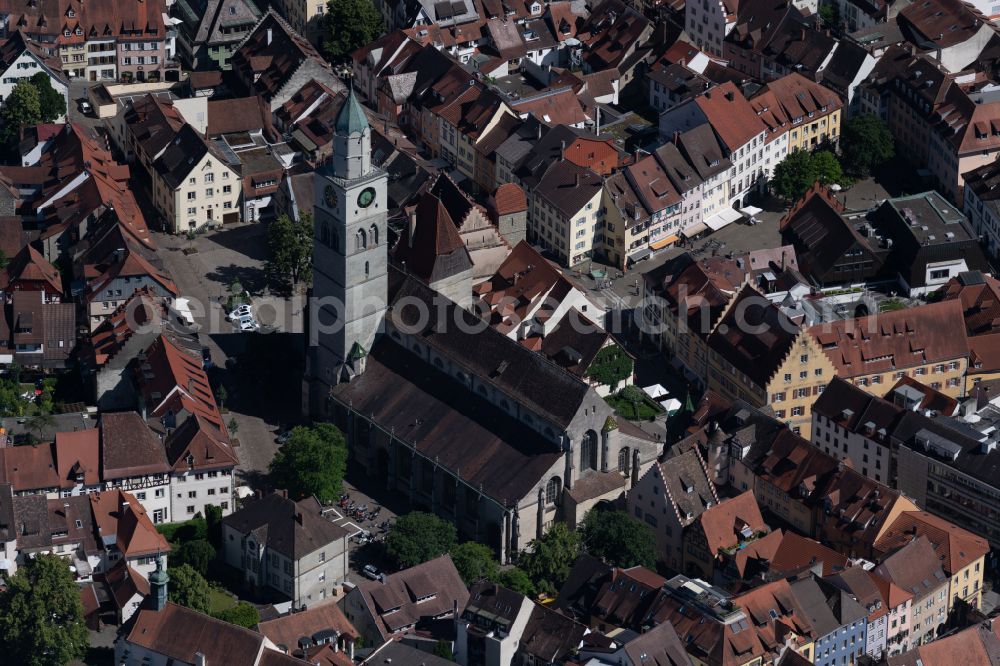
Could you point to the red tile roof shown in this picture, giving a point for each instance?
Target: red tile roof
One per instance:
(287, 630)
(509, 198)
(730, 115)
(198, 444)
(173, 379)
(431, 236)
(723, 522)
(894, 340)
(956, 547)
(120, 514)
(30, 270)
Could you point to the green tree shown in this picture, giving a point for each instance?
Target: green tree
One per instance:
(51, 102)
(221, 394)
(21, 108)
(618, 539)
(417, 537)
(865, 144)
(826, 168)
(793, 175)
(41, 615)
(474, 562)
(830, 15)
(443, 649)
(189, 588)
(312, 462)
(291, 246)
(549, 559)
(197, 554)
(213, 524)
(610, 366)
(233, 427)
(349, 25)
(242, 614)
(516, 579)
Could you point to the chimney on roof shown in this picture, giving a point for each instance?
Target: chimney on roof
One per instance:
(284, 493)
(539, 132)
(677, 138)
(730, 95)
(413, 224)
(562, 153)
(576, 180)
(270, 35)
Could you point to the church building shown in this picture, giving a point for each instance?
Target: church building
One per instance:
(463, 420)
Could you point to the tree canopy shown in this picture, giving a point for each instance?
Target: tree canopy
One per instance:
(291, 245)
(23, 107)
(610, 366)
(52, 104)
(243, 614)
(349, 25)
(312, 462)
(618, 539)
(188, 588)
(418, 537)
(549, 559)
(800, 169)
(198, 554)
(474, 562)
(865, 144)
(41, 615)
(516, 579)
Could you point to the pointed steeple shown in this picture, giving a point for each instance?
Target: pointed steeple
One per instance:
(351, 118)
(158, 580)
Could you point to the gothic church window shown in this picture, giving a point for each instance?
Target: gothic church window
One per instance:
(360, 241)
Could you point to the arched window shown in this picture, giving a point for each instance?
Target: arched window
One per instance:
(324, 234)
(624, 462)
(374, 234)
(588, 451)
(335, 240)
(366, 269)
(360, 241)
(552, 490)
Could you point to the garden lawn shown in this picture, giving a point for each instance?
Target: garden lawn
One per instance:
(219, 601)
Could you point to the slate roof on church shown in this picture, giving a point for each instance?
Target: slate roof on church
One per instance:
(488, 354)
(423, 407)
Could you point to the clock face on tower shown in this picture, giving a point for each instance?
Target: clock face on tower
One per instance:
(366, 197)
(330, 196)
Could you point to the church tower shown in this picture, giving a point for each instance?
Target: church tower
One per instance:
(349, 256)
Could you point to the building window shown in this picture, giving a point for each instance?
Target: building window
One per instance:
(552, 490)
(624, 464)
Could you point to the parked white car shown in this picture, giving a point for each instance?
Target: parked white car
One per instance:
(240, 312)
(248, 323)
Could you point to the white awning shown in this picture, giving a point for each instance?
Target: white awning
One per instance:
(720, 220)
(750, 211)
(656, 391)
(694, 230)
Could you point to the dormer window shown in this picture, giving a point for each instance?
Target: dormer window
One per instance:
(78, 30)
(70, 13)
(66, 32)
